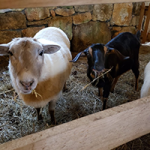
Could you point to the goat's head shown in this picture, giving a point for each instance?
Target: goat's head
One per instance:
(100, 58)
(26, 60)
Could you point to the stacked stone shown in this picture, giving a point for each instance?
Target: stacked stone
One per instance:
(84, 25)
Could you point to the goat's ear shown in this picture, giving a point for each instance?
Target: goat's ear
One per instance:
(4, 48)
(86, 51)
(83, 53)
(77, 57)
(49, 47)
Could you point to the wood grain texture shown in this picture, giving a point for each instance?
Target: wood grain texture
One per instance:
(141, 16)
(100, 131)
(45, 3)
(145, 32)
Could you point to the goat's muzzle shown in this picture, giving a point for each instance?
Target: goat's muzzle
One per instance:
(94, 74)
(26, 87)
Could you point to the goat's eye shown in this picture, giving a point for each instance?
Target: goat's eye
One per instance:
(10, 53)
(41, 53)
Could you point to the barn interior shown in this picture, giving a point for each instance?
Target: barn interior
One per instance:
(84, 25)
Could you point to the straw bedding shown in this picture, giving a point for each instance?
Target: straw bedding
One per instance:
(18, 120)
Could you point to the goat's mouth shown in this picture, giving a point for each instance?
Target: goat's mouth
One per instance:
(25, 87)
(26, 91)
(94, 74)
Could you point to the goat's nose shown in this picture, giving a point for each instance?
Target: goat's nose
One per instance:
(27, 84)
(98, 67)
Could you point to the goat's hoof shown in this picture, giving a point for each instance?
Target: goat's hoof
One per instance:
(66, 90)
(51, 124)
(112, 90)
(39, 118)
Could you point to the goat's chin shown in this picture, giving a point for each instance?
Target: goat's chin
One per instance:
(25, 92)
(28, 90)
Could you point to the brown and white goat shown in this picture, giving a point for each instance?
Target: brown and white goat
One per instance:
(39, 64)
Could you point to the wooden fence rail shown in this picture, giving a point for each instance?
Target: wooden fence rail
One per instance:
(45, 3)
(100, 131)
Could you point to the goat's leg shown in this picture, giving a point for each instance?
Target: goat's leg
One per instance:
(100, 92)
(136, 83)
(39, 116)
(104, 100)
(135, 70)
(52, 114)
(105, 103)
(106, 92)
(65, 88)
(113, 84)
(52, 111)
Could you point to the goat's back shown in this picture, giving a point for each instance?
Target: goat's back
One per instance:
(59, 61)
(54, 34)
(126, 43)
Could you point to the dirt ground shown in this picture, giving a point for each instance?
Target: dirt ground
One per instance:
(18, 120)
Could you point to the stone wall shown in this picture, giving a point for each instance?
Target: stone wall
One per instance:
(84, 25)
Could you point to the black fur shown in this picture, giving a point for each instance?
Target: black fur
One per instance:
(122, 55)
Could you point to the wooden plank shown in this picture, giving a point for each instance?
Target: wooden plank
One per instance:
(141, 15)
(144, 36)
(45, 3)
(100, 131)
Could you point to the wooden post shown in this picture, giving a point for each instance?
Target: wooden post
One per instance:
(141, 16)
(104, 130)
(144, 36)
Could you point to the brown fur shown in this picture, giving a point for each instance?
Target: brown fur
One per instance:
(105, 49)
(33, 68)
(23, 59)
(47, 89)
(90, 51)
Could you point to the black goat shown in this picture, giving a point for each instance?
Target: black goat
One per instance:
(120, 55)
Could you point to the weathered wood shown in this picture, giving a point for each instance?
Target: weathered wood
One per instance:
(45, 3)
(100, 131)
(141, 15)
(145, 32)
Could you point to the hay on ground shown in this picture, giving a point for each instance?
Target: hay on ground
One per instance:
(18, 120)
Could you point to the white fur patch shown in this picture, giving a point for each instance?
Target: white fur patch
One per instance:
(47, 42)
(145, 90)
(54, 64)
